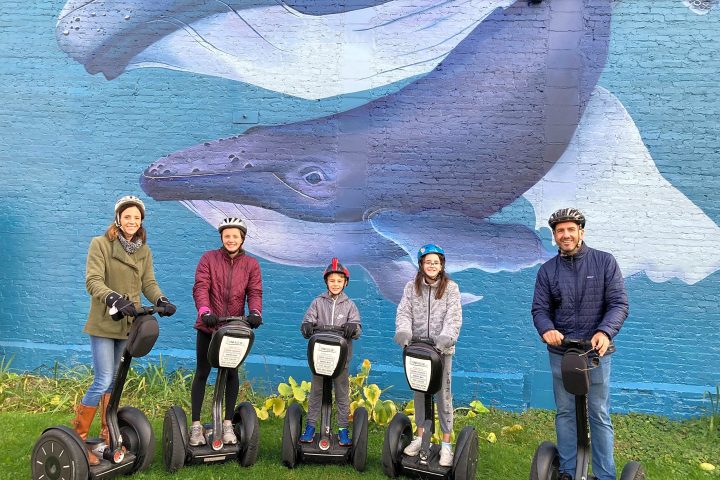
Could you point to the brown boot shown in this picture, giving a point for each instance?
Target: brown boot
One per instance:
(81, 423)
(104, 433)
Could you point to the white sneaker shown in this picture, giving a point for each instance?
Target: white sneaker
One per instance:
(446, 456)
(413, 447)
(197, 435)
(228, 436)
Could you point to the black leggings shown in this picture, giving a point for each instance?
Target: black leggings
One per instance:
(202, 371)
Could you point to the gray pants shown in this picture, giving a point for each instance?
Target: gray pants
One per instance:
(341, 386)
(443, 398)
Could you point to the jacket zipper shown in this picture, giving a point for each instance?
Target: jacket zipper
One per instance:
(332, 313)
(428, 319)
(227, 289)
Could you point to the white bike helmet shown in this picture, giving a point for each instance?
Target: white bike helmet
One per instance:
(232, 222)
(126, 201)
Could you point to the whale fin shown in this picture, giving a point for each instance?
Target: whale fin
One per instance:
(468, 242)
(632, 211)
(272, 46)
(391, 277)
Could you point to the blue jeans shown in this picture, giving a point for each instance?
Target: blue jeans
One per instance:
(106, 353)
(601, 430)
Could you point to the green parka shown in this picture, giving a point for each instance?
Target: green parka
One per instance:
(110, 268)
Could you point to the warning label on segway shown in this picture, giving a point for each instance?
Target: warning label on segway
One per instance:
(325, 358)
(232, 351)
(417, 371)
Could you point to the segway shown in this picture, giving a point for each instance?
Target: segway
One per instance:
(59, 453)
(327, 353)
(229, 346)
(423, 372)
(576, 380)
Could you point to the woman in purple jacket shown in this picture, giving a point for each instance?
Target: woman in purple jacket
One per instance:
(225, 279)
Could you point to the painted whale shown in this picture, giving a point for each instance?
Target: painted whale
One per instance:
(700, 7)
(268, 43)
(470, 137)
(605, 164)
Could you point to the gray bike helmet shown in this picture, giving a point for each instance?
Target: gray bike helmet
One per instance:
(567, 215)
(127, 201)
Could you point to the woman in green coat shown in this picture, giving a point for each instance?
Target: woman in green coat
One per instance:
(119, 268)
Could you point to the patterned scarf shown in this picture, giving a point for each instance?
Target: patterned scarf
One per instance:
(130, 247)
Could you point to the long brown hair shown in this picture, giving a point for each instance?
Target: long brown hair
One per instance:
(443, 278)
(113, 231)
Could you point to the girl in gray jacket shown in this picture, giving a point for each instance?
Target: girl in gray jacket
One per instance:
(333, 308)
(430, 307)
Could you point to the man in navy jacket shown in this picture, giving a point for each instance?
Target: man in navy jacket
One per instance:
(580, 294)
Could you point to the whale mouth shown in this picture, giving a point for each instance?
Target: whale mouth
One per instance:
(271, 45)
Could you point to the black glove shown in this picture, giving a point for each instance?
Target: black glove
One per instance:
(209, 320)
(254, 319)
(306, 328)
(170, 309)
(351, 330)
(126, 307)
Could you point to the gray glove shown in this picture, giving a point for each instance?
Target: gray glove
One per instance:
(403, 338)
(443, 342)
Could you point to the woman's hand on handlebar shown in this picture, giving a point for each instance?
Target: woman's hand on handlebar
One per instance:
(307, 328)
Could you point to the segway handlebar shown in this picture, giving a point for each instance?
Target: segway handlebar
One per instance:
(426, 340)
(327, 328)
(149, 310)
(241, 320)
(577, 343)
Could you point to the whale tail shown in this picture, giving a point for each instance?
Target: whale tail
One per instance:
(632, 211)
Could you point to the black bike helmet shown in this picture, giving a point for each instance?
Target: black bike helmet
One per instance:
(336, 267)
(567, 215)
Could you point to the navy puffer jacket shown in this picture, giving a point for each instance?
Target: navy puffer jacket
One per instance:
(580, 295)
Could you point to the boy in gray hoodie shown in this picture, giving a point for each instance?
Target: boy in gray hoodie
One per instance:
(333, 308)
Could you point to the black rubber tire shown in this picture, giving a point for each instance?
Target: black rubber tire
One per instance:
(247, 430)
(173, 440)
(466, 455)
(138, 437)
(291, 434)
(397, 436)
(59, 451)
(359, 439)
(633, 471)
(545, 462)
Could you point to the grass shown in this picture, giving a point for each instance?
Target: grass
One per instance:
(30, 403)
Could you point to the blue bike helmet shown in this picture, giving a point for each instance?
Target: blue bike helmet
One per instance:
(429, 248)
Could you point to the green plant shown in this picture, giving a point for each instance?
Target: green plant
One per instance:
(367, 395)
(713, 410)
(288, 393)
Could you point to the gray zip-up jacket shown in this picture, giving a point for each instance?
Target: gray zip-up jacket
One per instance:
(326, 310)
(425, 316)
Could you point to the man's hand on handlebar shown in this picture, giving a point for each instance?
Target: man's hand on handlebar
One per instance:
(553, 338)
(600, 342)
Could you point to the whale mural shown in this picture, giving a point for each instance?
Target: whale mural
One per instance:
(487, 105)
(272, 45)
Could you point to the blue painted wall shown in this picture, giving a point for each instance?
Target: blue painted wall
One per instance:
(73, 142)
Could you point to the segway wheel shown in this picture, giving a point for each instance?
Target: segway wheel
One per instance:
(138, 437)
(397, 436)
(545, 462)
(59, 453)
(291, 434)
(359, 439)
(247, 430)
(633, 471)
(174, 439)
(466, 455)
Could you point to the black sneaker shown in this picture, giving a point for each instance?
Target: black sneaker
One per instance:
(565, 476)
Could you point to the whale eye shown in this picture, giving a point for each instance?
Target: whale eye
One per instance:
(315, 176)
